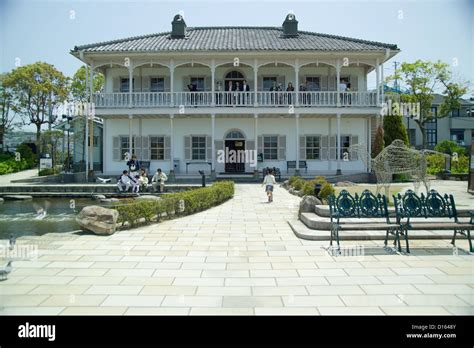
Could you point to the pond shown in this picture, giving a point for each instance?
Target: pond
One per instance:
(22, 218)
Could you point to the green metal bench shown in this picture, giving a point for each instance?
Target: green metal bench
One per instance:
(367, 205)
(410, 206)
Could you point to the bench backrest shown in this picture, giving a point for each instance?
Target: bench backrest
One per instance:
(431, 205)
(291, 164)
(366, 205)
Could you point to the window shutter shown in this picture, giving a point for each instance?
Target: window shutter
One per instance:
(219, 145)
(302, 147)
(207, 83)
(116, 84)
(145, 142)
(116, 148)
(332, 86)
(138, 147)
(186, 82)
(187, 148)
(167, 83)
(146, 83)
(323, 150)
(354, 154)
(324, 83)
(260, 83)
(259, 145)
(208, 148)
(332, 147)
(167, 149)
(281, 147)
(281, 79)
(250, 145)
(354, 83)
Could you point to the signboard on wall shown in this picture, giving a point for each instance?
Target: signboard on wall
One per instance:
(46, 163)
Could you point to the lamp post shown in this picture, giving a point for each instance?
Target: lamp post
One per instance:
(67, 127)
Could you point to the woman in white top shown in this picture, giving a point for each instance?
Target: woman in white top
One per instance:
(269, 181)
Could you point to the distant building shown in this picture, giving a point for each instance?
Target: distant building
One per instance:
(458, 126)
(13, 139)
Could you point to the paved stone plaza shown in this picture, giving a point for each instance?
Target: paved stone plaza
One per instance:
(238, 258)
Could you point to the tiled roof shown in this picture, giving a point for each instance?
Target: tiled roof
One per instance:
(236, 39)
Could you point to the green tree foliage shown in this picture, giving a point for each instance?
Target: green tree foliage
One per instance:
(79, 89)
(393, 128)
(423, 79)
(379, 143)
(36, 90)
(449, 147)
(7, 110)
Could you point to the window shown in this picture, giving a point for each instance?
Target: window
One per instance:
(235, 135)
(312, 147)
(234, 75)
(431, 127)
(199, 82)
(412, 136)
(268, 82)
(124, 146)
(157, 84)
(95, 141)
(125, 85)
(345, 144)
(198, 148)
(457, 135)
(455, 113)
(157, 148)
(312, 83)
(270, 147)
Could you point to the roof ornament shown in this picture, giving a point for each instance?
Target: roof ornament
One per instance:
(178, 27)
(290, 25)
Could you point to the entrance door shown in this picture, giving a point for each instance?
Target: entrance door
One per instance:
(235, 157)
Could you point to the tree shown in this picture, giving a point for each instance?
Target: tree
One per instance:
(50, 142)
(423, 80)
(36, 90)
(393, 128)
(7, 111)
(79, 89)
(449, 147)
(379, 143)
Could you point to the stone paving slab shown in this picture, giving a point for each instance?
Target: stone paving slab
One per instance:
(240, 258)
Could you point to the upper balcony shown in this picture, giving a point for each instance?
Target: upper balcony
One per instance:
(236, 99)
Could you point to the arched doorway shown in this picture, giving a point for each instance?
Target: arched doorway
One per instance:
(234, 77)
(234, 143)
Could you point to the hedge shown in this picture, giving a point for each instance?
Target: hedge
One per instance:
(134, 212)
(13, 166)
(307, 186)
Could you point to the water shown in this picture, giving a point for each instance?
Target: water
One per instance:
(21, 218)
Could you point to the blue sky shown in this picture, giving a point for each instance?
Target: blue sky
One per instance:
(46, 30)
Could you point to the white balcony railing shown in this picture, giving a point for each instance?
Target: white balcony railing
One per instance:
(233, 99)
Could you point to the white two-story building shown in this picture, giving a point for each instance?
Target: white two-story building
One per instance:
(148, 108)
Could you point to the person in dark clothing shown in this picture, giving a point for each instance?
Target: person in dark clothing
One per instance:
(133, 165)
(193, 88)
(290, 89)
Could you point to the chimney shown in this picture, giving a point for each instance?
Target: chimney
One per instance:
(178, 27)
(290, 26)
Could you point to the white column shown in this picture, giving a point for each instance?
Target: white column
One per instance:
(104, 145)
(171, 145)
(255, 116)
(338, 142)
(382, 84)
(130, 85)
(338, 82)
(377, 81)
(172, 84)
(130, 137)
(213, 85)
(213, 146)
(255, 81)
(91, 137)
(369, 136)
(296, 102)
(297, 120)
(86, 135)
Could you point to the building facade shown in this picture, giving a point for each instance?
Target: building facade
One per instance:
(178, 99)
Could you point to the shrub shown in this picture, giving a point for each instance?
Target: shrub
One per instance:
(435, 164)
(449, 147)
(298, 184)
(378, 144)
(461, 166)
(292, 179)
(175, 204)
(326, 191)
(393, 129)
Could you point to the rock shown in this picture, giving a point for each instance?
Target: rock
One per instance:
(148, 198)
(308, 204)
(286, 184)
(17, 197)
(292, 191)
(109, 200)
(98, 197)
(345, 183)
(98, 219)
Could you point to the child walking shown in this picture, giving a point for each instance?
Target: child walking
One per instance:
(269, 181)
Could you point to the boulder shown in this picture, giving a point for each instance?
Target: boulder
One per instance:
(98, 197)
(17, 197)
(109, 200)
(148, 198)
(98, 219)
(308, 204)
(286, 184)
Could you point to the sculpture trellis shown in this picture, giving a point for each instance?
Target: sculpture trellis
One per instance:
(397, 158)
